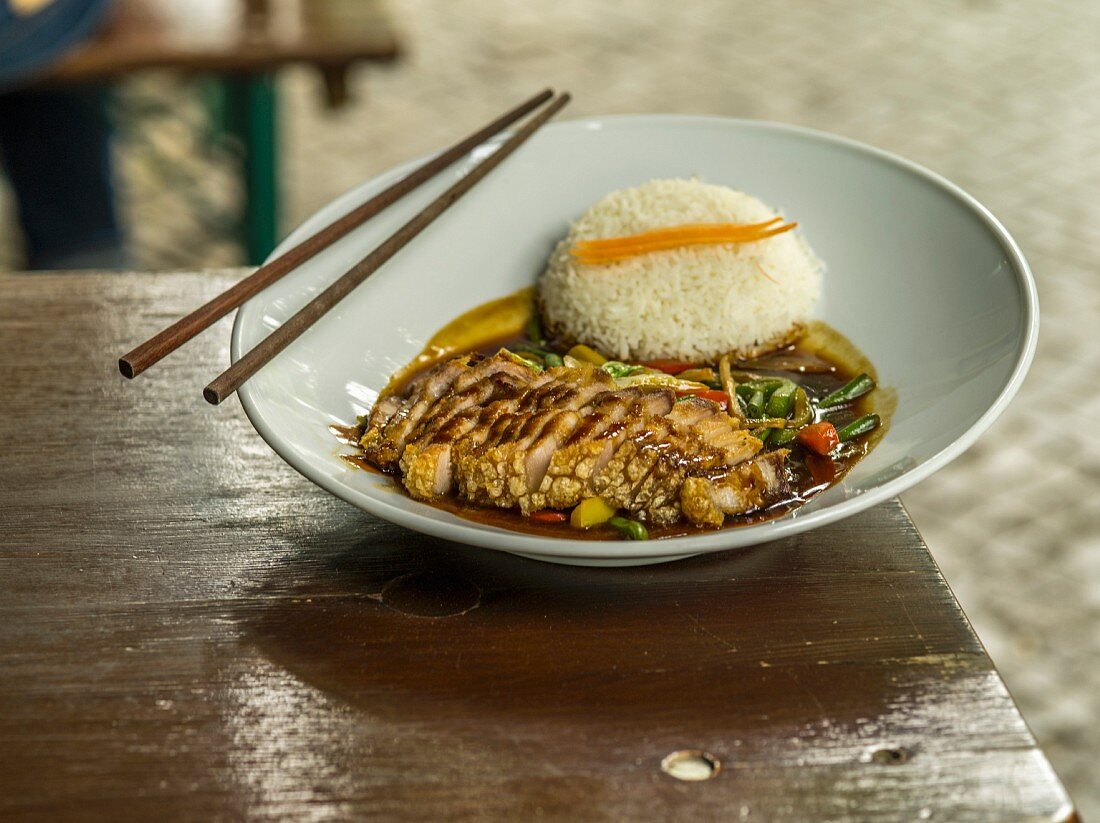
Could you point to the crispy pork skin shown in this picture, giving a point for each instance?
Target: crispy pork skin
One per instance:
(498, 433)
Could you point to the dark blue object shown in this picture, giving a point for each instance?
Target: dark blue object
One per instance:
(30, 42)
(55, 151)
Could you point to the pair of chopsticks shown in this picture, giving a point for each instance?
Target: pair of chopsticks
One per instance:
(167, 341)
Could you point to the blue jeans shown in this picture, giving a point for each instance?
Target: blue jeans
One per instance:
(55, 151)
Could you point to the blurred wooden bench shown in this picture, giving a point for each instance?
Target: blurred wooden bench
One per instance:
(243, 43)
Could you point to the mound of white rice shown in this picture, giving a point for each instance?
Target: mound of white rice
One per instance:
(691, 303)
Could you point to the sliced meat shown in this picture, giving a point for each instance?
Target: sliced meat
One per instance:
(385, 408)
(498, 433)
(383, 444)
(426, 460)
(584, 453)
(501, 473)
(745, 488)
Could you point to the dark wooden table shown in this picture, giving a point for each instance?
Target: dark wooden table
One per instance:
(189, 629)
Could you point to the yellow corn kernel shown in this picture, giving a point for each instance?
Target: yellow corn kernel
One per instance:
(591, 512)
(588, 355)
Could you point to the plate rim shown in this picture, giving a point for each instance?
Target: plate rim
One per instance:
(720, 540)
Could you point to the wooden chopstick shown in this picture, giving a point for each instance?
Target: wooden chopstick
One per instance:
(167, 341)
(231, 379)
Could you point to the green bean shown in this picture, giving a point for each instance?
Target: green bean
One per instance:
(755, 406)
(552, 360)
(630, 529)
(767, 386)
(533, 329)
(782, 400)
(803, 411)
(765, 434)
(849, 392)
(859, 426)
(781, 437)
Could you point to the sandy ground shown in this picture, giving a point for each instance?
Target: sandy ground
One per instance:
(1001, 97)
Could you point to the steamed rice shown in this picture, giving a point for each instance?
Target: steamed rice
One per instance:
(692, 303)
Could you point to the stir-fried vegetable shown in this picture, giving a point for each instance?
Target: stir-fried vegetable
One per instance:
(754, 408)
(591, 512)
(765, 384)
(701, 375)
(587, 355)
(820, 438)
(525, 359)
(772, 407)
(822, 468)
(859, 426)
(781, 401)
(729, 386)
(549, 516)
(617, 369)
(660, 380)
(668, 366)
(803, 411)
(630, 529)
(781, 437)
(846, 394)
(533, 330)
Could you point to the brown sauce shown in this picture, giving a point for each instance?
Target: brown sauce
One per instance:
(821, 374)
(820, 362)
(473, 330)
(349, 435)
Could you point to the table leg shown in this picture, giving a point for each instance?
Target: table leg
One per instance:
(251, 117)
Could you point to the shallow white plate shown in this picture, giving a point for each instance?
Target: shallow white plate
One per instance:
(920, 276)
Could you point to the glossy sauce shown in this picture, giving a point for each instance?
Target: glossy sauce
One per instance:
(823, 370)
(349, 436)
(496, 320)
(821, 362)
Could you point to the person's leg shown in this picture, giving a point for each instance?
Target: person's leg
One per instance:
(55, 148)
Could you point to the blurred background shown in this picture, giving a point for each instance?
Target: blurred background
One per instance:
(221, 124)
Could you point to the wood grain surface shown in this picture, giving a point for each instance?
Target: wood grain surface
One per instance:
(189, 629)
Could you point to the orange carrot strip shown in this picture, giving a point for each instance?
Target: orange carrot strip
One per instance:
(673, 232)
(679, 234)
(778, 230)
(694, 238)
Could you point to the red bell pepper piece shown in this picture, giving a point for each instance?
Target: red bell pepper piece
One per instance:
(669, 366)
(820, 438)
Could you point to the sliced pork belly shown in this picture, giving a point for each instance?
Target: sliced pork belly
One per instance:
(500, 434)
(707, 501)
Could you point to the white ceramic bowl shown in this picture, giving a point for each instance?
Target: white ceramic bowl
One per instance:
(920, 276)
